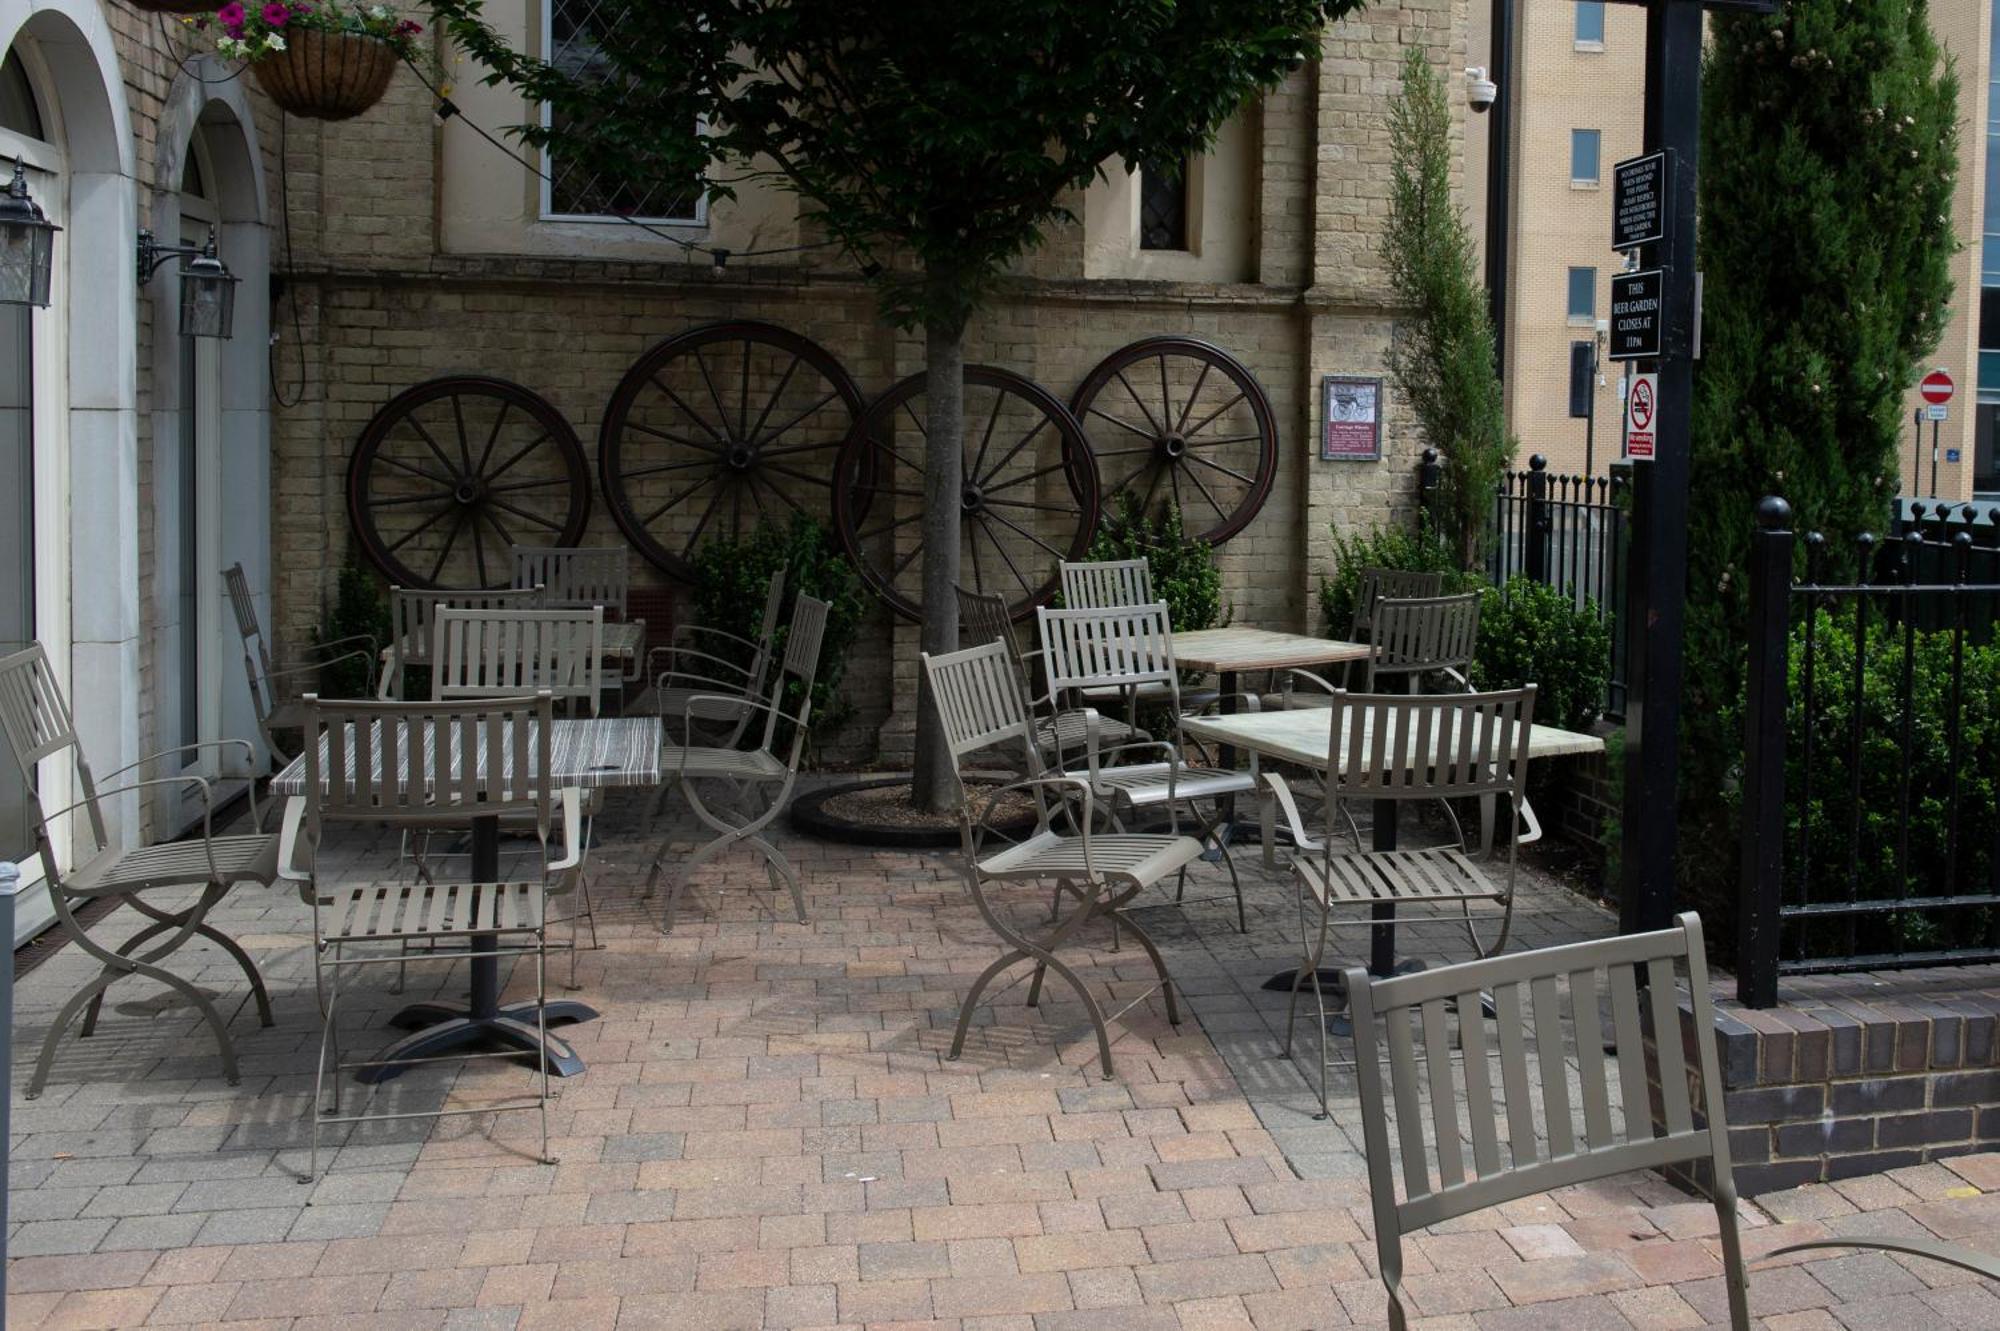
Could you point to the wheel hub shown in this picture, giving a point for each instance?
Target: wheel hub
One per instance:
(1172, 447)
(467, 491)
(741, 457)
(971, 499)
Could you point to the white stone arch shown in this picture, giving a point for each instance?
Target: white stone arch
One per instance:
(95, 326)
(208, 98)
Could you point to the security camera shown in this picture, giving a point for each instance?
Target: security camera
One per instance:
(1480, 91)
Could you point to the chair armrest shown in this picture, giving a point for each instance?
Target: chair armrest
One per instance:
(1965, 1259)
(1296, 676)
(207, 809)
(288, 843)
(249, 752)
(709, 661)
(314, 667)
(572, 823)
(748, 704)
(1295, 823)
(346, 645)
(689, 630)
(1076, 783)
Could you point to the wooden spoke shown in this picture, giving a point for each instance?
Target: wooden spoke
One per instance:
(1027, 456)
(515, 454)
(1212, 441)
(776, 400)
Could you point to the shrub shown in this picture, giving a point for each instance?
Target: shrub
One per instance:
(1184, 571)
(1866, 857)
(1530, 633)
(360, 606)
(1390, 547)
(731, 575)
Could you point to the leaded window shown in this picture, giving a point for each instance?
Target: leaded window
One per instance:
(1163, 209)
(574, 40)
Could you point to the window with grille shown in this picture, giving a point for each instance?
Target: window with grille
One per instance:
(573, 35)
(1163, 209)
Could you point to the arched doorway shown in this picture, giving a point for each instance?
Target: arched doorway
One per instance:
(68, 391)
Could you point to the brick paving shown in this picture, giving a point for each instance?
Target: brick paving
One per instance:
(769, 1135)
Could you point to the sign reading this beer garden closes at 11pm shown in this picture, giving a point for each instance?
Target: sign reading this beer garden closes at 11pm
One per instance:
(1636, 315)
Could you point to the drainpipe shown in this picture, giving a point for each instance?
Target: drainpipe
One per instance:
(1499, 175)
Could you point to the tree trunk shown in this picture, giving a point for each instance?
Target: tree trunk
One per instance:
(944, 466)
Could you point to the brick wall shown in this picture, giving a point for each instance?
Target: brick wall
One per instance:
(383, 308)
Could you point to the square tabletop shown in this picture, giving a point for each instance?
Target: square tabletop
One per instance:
(1237, 649)
(1304, 735)
(595, 752)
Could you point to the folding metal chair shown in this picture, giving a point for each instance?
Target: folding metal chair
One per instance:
(750, 787)
(1372, 587)
(982, 706)
(695, 662)
(411, 612)
(1419, 638)
(1483, 1079)
(577, 578)
(1396, 749)
(983, 618)
(38, 726)
(1130, 650)
(266, 670)
(422, 765)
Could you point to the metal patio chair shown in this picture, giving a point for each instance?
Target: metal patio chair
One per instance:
(1371, 588)
(1419, 638)
(1396, 749)
(502, 652)
(983, 618)
(420, 765)
(1106, 584)
(694, 663)
(750, 787)
(982, 706)
(411, 612)
(1484, 1077)
(1128, 650)
(38, 726)
(266, 671)
(577, 578)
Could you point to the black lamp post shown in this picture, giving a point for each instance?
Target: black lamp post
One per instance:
(27, 245)
(208, 288)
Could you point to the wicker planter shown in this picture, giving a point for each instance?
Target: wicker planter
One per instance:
(327, 75)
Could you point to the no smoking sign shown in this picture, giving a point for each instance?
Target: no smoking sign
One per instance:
(1641, 427)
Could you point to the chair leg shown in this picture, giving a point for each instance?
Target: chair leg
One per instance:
(542, 1023)
(986, 977)
(162, 923)
(1159, 968)
(1735, 1279)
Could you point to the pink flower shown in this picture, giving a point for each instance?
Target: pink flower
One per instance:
(276, 16)
(231, 17)
(408, 28)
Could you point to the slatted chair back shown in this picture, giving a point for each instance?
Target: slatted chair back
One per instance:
(1417, 636)
(1441, 746)
(36, 720)
(983, 617)
(503, 653)
(800, 667)
(1109, 648)
(1106, 584)
(1495, 1093)
(413, 612)
(577, 577)
(983, 708)
(428, 763)
(257, 661)
(1378, 584)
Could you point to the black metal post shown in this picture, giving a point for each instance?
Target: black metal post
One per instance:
(1934, 457)
(1430, 476)
(1659, 568)
(1763, 860)
(1917, 453)
(1499, 175)
(1535, 558)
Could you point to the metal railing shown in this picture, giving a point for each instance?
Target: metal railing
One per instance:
(1567, 532)
(1871, 782)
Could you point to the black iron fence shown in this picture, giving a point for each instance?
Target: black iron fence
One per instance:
(1567, 532)
(1871, 785)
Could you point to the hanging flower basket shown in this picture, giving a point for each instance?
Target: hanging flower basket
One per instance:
(327, 75)
(174, 6)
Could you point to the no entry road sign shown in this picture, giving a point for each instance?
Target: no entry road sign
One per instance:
(1937, 388)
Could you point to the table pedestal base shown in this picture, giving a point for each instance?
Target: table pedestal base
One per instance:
(444, 1028)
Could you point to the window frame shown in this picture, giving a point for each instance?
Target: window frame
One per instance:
(545, 183)
(1577, 36)
(1189, 211)
(1569, 295)
(1595, 137)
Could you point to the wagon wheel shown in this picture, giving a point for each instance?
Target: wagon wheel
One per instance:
(723, 425)
(452, 472)
(1029, 497)
(1175, 418)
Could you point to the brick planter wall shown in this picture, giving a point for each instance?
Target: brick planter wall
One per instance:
(1855, 1074)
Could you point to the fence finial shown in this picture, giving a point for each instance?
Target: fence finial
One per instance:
(1773, 513)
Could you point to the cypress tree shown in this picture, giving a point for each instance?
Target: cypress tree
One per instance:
(1828, 160)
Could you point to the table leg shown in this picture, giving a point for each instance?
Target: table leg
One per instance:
(1382, 948)
(443, 1028)
(1225, 758)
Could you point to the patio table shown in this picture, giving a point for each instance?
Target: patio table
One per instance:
(590, 753)
(1305, 736)
(1227, 652)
